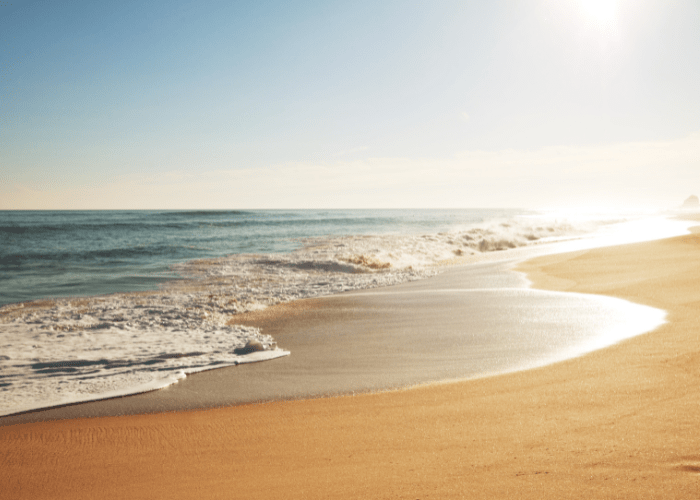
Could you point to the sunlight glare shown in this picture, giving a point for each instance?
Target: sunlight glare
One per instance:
(601, 11)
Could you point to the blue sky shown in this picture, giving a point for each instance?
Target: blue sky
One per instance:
(178, 104)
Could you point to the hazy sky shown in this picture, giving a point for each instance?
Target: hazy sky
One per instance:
(306, 104)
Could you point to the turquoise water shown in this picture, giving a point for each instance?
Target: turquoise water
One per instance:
(79, 253)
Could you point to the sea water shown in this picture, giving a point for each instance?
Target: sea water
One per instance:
(105, 303)
(72, 253)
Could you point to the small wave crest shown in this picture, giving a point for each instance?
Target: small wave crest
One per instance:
(396, 251)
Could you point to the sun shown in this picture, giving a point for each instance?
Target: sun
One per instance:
(600, 11)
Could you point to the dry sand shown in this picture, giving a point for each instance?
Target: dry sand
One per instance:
(618, 423)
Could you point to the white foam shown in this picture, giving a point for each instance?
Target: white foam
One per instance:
(72, 350)
(341, 263)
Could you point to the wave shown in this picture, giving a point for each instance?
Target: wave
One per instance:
(340, 263)
(49, 259)
(181, 222)
(195, 213)
(402, 251)
(50, 346)
(71, 227)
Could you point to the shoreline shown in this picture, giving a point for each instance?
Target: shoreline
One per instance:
(468, 322)
(619, 421)
(200, 313)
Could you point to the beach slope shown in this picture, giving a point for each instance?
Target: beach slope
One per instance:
(618, 423)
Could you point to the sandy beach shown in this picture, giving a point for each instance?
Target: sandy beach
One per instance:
(617, 423)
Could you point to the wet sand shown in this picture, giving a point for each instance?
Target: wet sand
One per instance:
(468, 322)
(618, 423)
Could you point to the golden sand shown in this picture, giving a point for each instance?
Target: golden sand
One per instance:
(618, 423)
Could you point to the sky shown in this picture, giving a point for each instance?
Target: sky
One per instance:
(335, 104)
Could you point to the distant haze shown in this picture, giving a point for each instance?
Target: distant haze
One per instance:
(309, 104)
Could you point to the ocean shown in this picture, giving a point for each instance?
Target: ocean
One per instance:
(81, 253)
(97, 304)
